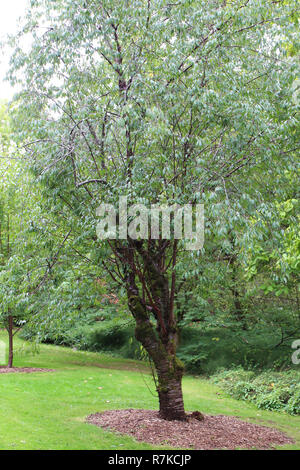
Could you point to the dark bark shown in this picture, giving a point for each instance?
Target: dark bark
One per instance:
(149, 277)
(169, 370)
(238, 307)
(235, 287)
(171, 405)
(161, 345)
(10, 341)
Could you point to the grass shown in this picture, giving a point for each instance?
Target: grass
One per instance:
(48, 410)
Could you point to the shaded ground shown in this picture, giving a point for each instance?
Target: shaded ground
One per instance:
(7, 370)
(214, 432)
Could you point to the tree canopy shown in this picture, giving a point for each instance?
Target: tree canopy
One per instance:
(169, 103)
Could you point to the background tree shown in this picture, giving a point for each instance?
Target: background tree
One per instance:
(11, 295)
(26, 247)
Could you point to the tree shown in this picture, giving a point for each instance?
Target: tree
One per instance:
(11, 295)
(13, 300)
(161, 103)
(273, 249)
(22, 247)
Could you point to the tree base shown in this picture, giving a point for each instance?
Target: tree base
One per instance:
(173, 416)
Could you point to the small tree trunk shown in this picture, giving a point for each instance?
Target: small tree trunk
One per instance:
(238, 308)
(157, 331)
(10, 339)
(171, 405)
(169, 370)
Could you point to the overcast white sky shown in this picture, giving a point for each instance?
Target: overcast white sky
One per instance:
(10, 11)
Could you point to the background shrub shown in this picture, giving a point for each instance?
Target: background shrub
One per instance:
(203, 352)
(274, 391)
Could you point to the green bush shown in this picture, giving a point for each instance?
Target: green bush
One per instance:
(293, 405)
(202, 351)
(205, 352)
(116, 336)
(275, 391)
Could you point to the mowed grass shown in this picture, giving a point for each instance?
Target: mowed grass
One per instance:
(48, 410)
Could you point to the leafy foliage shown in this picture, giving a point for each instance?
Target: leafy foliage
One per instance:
(272, 391)
(173, 103)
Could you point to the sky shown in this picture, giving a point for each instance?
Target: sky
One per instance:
(10, 11)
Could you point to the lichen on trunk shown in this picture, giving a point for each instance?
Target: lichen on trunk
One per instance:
(150, 293)
(169, 369)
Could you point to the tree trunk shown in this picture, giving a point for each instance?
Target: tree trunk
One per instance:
(171, 405)
(156, 325)
(238, 308)
(169, 370)
(10, 339)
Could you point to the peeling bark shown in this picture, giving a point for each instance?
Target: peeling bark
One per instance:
(169, 368)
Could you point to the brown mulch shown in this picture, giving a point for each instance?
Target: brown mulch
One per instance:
(7, 370)
(214, 432)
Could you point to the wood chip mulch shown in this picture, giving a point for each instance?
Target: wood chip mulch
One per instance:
(214, 432)
(8, 370)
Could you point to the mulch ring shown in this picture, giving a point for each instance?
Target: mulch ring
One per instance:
(8, 370)
(214, 432)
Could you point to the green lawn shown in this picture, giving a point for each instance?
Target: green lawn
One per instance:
(48, 410)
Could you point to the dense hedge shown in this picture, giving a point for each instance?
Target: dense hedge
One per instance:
(203, 352)
(276, 391)
(111, 336)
